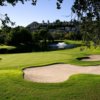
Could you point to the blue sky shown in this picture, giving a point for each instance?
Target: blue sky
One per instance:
(44, 10)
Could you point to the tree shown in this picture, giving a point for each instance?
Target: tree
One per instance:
(58, 23)
(14, 2)
(6, 19)
(4, 35)
(41, 38)
(87, 11)
(20, 35)
(45, 36)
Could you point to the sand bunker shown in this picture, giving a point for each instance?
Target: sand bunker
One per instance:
(57, 73)
(91, 58)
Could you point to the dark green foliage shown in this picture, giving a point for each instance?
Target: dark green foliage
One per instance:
(3, 51)
(5, 20)
(89, 7)
(41, 38)
(73, 36)
(58, 35)
(2, 38)
(90, 31)
(14, 2)
(20, 35)
(24, 40)
(88, 12)
(4, 35)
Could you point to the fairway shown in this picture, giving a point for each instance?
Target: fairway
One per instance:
(77, 87)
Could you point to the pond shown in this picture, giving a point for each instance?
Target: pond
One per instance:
(61, 45)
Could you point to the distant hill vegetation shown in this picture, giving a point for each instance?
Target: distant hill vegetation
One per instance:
(53, 27)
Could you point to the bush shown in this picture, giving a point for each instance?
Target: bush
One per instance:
(73, 36)
(3, 50)
(19, 35)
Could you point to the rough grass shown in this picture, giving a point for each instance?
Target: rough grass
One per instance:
(78, 87)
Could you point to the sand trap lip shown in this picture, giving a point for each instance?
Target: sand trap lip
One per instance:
(57, 73)
(90, 58)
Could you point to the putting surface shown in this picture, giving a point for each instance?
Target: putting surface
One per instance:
(57, 73)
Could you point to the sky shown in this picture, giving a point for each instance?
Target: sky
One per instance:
(45, 10)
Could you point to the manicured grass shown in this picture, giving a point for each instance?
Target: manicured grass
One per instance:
(7, 47)
(22, 60)
(73, 42)
(78, 87)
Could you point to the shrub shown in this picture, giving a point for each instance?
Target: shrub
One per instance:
(73, 36)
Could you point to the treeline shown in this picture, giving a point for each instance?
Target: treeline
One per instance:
(54, 25)
(21, 37)
(24, 40)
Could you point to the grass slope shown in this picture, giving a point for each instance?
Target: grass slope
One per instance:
(78, 87)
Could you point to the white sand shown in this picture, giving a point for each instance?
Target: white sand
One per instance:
(92, 58)
(58, 72)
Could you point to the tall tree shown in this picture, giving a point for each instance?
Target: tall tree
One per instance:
(88, 13)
